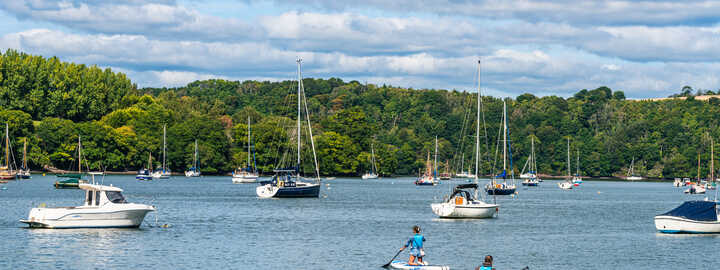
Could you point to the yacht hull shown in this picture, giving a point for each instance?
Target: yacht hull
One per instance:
(87, 217)
(672, 224)
(476, 210)
(244, 179)
(500, 191)
(304, 191)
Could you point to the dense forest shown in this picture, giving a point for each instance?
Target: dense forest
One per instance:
(49, 103)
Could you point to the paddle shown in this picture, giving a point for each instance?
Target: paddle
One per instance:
(393, 258)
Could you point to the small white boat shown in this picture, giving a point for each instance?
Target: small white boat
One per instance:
(244, 176)
(404, 265)
(369, 176)
(462, 204)
(565, 185)
(678, 182)
(631, 172)
(527, 175)
(696, 189)
(104, 207)
(373, 167)
(690, 217)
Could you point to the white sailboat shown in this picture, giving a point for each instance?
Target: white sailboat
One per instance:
(164, 172)
(577, 179)
(531, 178)
(24, 171)
(461, 203)
(631, 172)
(373, 168)
(104, 207)
(194, 171)
(287, 182)
(463, 174)
(567, 184)
(429, 177)
(248, 174)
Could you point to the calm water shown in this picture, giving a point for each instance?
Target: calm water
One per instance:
(357, 225)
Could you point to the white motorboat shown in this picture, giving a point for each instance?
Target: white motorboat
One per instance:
(690, 217)
(104, 207)
(462, 204)
(565, 185)
(243, 175)
(194, 170)
(696, 189)
(404, 265)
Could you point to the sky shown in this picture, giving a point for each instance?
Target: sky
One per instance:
(648, 48)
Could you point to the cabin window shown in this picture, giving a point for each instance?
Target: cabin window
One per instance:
(115, 197)
(89, 197)
(97, 197)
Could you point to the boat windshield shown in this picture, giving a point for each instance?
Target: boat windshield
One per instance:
(115, 197)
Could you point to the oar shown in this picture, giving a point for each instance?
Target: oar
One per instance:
(393, 258)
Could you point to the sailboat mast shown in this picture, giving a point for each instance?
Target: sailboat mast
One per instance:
(79, 156)
(568, 156)
(248, 144)
(532, 154)
(577, 163)
(477, 129)
(372, 157)
(435, 161)
(504, 137)
(164, 146)
(196, 156)
(712, 160)
(698, 175)
(25, 154)
(298, 115)
(7, 146)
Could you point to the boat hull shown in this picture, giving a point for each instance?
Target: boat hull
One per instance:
(302, 191)
(500, 191)
(192, 174)
(130, 216)
(244, 179)
(406, 266)
(672, 224)
(476, 210)
(369, 176)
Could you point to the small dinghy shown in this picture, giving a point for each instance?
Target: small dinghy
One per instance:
(405, 265)
(690, 217)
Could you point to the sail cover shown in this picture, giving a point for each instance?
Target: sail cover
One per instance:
(695, 210)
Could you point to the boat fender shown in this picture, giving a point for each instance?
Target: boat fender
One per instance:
(280, 183)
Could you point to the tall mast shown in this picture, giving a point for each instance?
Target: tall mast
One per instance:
(568, 156)
(712, 160)
(372, 157)
(698, 175)
(505, 144)
(7, 146)
(79, 156)
(477, 129)
(577, 163)
(435, 161)
(248, 162)
(164, 147)
(532, 154)
(298, 114)
(196, 156)
(25, 154)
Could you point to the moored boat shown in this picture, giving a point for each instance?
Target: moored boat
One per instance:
(690, 217)
(7, 172)
(495, 187)
(104, 207)
(163, 172)
(194, 170)
(463, 204)
(373, 168)
(568, 183)
(288, 182)
(249, 174)
(72, 180)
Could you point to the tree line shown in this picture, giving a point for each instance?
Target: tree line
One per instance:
(49, 103)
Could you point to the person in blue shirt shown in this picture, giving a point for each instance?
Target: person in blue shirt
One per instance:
(487, 265)
(416, 247)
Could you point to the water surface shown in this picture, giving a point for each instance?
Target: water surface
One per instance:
(358, 224)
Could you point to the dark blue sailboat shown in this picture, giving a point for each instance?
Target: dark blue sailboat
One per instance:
(495, 187)
(287, 182)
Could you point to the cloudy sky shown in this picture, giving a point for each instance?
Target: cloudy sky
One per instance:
(645, 48)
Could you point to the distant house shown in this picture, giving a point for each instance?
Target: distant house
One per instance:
(704, 97)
